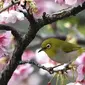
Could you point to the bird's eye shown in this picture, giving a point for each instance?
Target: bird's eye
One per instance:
(48, 46)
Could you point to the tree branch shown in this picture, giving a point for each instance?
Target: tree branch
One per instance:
(47, 18)
(51, 70)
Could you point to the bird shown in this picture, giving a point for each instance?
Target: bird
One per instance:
(61, 51)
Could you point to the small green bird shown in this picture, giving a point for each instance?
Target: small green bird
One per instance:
(61, 51)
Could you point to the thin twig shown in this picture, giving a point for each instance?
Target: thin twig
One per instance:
(51, 70)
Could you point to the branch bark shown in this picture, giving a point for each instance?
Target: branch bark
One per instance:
(50, 18)
(63, 68)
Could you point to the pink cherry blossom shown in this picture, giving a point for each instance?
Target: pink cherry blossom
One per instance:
(80, 72)
(11, 15)
(59, 1)
(70, 2)
(28, 55)
(35, 79)
(20, 74)
(80, 63)
(5, 41)
(5, 38)
(81, 59)
(79, 82)
(73, 3)
(48, 6)
(22, 71)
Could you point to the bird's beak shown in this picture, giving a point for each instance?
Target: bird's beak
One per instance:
(42, 49)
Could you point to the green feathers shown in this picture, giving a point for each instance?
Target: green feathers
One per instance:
(57, 49)
(57, 44)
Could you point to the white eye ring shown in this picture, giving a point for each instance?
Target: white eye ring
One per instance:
(48, 45)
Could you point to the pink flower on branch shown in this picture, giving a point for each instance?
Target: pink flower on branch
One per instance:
(80, 60)
(59, 1)
(80, 63)
(48, 6)
(73, 3)
(21, 74)
(12, 14)
(80, 71)
(28, 55)
(5, 38)
(23, 71)
(5, 41)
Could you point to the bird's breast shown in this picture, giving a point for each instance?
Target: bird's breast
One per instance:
(63, 57)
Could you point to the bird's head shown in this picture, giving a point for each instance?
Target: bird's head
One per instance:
(49, 46)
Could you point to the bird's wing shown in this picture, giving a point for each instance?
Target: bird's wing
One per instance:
(69, 47)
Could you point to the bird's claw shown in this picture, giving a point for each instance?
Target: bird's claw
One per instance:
(50, 70)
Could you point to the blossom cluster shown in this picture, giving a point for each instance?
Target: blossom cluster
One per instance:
(5, 41)
(80, 63)
(70, 2)
(12, 15)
